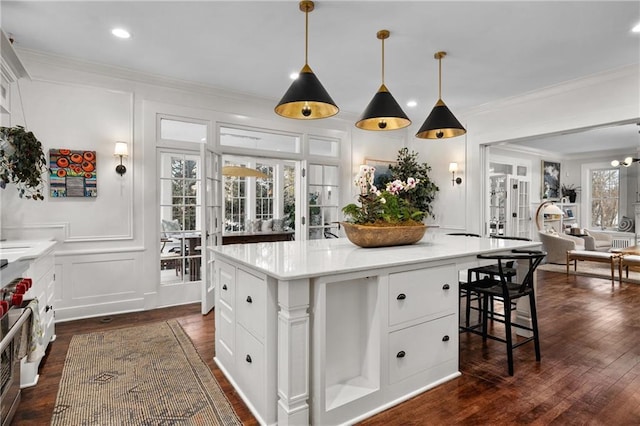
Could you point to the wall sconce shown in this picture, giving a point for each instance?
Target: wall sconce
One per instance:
(121, 151)
(626, 162)
(453, 168)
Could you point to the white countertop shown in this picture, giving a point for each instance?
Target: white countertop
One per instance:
(303, 259)
(16, 250)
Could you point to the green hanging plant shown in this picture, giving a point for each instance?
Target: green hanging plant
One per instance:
(22, 162)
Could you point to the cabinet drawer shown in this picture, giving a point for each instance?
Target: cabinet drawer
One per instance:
(250, 368)
(251, 303)
(422, 293)
(227, 284)
(420, 347)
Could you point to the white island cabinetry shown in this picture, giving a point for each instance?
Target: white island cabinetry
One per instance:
(336, 333)
(245, 306)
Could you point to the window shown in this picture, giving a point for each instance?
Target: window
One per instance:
(605, 196)
(324, 147)
(264, 193)
(182, 131)
(235, 203)
(259, 140)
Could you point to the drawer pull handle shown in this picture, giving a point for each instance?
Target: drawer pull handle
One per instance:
(224, 287)
(248, 359)
(400, 354)
(48, 308)
(446, 287)
(401, 296)
(249, 299)
(445, 338)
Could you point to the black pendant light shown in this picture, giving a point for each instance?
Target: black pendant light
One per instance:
(441, 123)
(383, 112)
(306, 99)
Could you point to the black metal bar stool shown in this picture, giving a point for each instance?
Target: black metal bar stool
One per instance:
(498, 286)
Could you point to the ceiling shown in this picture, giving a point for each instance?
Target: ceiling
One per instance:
(495, 50)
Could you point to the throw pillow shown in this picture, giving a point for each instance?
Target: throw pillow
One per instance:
(255, 225)
(627, 224)
(267, 225)
(278, 225)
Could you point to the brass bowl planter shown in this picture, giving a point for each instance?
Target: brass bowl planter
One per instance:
(383, 236)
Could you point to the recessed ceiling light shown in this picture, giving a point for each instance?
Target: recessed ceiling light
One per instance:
(636, 29)
(120, 33)
(412, 104)
(293, 75)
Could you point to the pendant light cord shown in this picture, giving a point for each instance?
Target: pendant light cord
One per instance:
(440, 78)
(382, 61)
(306, 36)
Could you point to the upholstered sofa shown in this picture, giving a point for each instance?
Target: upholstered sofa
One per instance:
(600, 241)
(556, 245)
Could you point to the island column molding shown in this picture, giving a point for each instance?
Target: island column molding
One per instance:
(293, 352)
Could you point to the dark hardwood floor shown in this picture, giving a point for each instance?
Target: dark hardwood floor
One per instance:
(589, 373)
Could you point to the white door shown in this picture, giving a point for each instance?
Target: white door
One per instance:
(212, 229)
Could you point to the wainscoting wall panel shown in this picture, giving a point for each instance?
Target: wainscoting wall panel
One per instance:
(98, 283)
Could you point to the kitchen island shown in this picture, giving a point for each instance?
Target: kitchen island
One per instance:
(324, 332)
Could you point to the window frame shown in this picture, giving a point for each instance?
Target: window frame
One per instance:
(587, 188)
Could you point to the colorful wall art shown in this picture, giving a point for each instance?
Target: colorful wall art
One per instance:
(73, 173)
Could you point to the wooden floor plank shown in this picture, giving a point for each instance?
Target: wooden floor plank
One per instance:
(589, 373)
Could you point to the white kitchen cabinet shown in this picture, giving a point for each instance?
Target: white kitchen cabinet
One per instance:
(245, 316)
(42, 273)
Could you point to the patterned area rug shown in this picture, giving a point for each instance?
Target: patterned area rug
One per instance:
(592, 269)
(145, 375)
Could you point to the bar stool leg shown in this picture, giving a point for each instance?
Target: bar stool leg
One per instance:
(507, 328)
(485, 316)
(534, 324)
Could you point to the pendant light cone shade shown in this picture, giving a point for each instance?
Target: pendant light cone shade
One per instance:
(383, 112)
(306, 98)
(441, 123)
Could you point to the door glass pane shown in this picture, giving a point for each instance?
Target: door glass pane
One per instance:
(180, 222)
(289, 195)
(323, 200)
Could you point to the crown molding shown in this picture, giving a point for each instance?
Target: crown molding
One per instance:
(627, 71)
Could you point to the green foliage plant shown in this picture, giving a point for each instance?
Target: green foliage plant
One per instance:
(425, 191)
(22, 162)
(382, 208)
